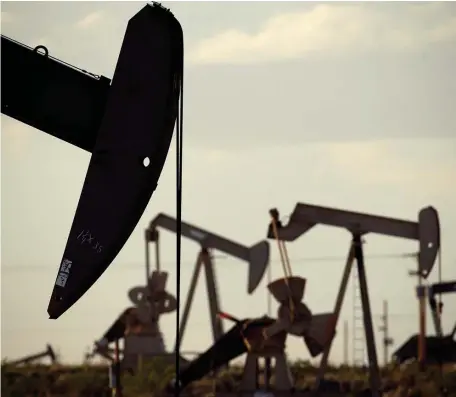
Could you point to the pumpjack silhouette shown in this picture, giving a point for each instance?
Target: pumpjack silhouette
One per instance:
(441, 348)
(126, 123)
(265, 337)
(139, 326)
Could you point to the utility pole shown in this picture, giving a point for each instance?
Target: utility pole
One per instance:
(387, 341)
(268, 295)
(421, 292)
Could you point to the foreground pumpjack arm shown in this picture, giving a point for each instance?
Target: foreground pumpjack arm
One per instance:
(127, 124)
(137, 125)
(49, 95)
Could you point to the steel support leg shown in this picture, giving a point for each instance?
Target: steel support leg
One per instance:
(336, 312)
(188, 304)
(212, 295)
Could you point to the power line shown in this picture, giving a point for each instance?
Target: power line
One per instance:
(196, 324)
(140, 266)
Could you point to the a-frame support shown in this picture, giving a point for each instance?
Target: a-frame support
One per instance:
(257, 257)
(204, 262)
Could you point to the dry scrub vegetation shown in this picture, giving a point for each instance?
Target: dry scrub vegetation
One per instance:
(92, 381)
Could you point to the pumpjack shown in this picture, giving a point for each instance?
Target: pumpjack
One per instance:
(138, 325)
(441, 348)
(265, 338)
(306, 216)
(48, 352)
(256, 257)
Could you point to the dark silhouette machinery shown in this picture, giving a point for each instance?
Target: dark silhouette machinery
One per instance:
(88, 111)
(293, 318)
(304, 217)
(441, 348)
(126, 123)
(139, 327)
(47, 353)
(265, 338)
(256, 256)
(35, 97)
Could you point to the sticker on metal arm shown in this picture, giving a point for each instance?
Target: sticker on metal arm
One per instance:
(64, 272)
(138, 123)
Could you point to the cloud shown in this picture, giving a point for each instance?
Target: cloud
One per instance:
(90, 20)
(7, 17)
(397, 163)
(214, 156)
(15, 136)
(331, 29)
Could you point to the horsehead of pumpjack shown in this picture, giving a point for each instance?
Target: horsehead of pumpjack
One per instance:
(130, 147)
(127, 124)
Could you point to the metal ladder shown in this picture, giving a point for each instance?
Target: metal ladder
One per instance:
(358, 338)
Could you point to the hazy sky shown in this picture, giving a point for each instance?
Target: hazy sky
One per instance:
(338, 104)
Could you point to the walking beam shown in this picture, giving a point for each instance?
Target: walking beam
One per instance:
(426, 230)
(257, 256)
